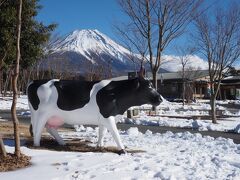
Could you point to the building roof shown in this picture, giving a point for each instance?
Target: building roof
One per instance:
(191, 75)
(231, 78)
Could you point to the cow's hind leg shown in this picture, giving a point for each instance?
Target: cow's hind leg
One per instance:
(55, 134)
(38, 124)
(111, 126)
(101, 133)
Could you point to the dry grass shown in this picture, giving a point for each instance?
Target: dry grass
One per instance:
(12, 162)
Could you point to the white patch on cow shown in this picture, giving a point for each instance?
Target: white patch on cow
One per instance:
(89, 114)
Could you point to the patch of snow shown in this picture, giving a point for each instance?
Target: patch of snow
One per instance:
(133, 131)
(6, 103)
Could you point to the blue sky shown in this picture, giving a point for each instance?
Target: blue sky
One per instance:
(92, 14)
(80, 14)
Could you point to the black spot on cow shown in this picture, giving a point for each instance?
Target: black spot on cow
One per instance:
(32, 92)
(118, 96)
(73, 94)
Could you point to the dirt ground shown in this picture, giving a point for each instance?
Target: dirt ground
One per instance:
(6, 130)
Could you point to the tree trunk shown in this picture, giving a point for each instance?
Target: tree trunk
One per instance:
(154, 76)
(2, 149)
(1, 80)
(183, 93)
(213, 109)
(14, 84)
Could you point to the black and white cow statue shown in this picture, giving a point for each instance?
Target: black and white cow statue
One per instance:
(55, 102)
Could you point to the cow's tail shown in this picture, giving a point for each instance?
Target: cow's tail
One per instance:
(44, 92)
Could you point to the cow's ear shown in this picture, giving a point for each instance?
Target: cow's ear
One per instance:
(136, 83)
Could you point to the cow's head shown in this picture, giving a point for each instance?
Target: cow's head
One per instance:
(146, 92)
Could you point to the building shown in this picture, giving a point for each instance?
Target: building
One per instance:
(170, 85)
(230, 88)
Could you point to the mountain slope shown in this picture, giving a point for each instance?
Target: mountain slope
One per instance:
(86, 48)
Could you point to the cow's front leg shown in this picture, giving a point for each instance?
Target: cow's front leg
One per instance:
(101, 133)
(111, 126)
(55, 134)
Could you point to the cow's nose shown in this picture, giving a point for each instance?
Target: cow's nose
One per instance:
(159, 99)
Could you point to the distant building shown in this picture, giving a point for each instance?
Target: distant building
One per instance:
(170, 85)
(230, 88)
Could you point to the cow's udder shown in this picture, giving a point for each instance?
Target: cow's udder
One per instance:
(54, 122)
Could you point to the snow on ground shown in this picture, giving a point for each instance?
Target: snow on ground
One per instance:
(167, 156)
(6, 103)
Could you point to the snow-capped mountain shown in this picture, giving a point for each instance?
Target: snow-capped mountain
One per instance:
(88, 48)
(85, 41)
(91, 50)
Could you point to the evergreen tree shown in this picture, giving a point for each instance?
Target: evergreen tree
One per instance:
(34, 34)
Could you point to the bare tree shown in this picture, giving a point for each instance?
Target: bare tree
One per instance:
(218, 39)
(14, 82)
(134, 42)
(159, 22)
(184, 57)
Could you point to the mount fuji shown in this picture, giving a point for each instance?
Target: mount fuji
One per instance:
(83, 50)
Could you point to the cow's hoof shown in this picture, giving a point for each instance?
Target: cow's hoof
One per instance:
(122, 151)
(36, 144)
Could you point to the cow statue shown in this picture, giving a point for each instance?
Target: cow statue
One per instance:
(55, 102)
